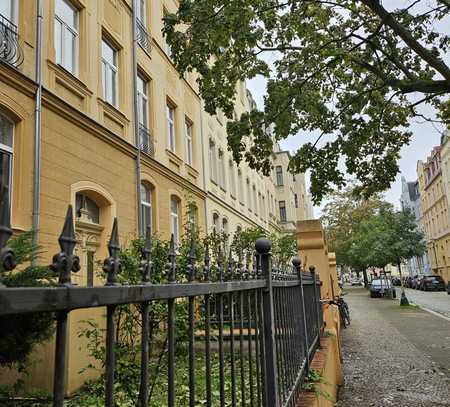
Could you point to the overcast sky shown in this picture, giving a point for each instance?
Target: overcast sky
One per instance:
(425, 134)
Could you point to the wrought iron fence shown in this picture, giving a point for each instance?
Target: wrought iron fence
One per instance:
(142, 36)
(146, 139)
(263, 348)
(10, 49)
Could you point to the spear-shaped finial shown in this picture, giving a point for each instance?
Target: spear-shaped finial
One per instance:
(146, 257)
(112, 265)
(64, 263)
(220, 263)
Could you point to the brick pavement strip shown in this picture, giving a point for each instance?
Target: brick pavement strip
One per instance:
(387, 360)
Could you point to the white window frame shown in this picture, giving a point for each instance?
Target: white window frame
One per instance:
(232, 179)
(142, 96)
(66, 32)
(146, 204)
(175, 220)
(213, 161)
(141, 12)
(279, 175)
(188, 127)
(221, 164)
(115, 70)
(171, 131)
(13, 4)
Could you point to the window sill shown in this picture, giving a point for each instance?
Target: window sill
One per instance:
(192, 171)
(113, 110)
(174, 157)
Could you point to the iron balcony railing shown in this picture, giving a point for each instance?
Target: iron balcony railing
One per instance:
(142, 36)
(263, 349)
(10, 49)
(146, 140)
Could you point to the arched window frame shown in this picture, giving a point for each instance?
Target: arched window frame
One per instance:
(7, 152)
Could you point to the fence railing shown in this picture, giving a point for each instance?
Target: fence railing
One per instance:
(263, 347)
(146, 140)
(143, 37)
(10, 49)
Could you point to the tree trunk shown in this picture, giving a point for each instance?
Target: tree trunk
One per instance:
(403, 299)
(366, 280)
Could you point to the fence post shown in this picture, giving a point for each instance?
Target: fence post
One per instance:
(297, 264)
(312, 270)
(263, 247)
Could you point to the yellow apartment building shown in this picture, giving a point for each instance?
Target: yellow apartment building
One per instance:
(94, 114)
(292, 200)
(435, 214)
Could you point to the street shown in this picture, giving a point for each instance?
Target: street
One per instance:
(437, 301)
(394, 356)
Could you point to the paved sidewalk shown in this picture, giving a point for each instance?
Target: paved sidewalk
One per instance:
(437, 301)
(394, 356)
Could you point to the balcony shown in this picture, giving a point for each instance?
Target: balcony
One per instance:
(146, 141)
(10, 50)
(142, 36)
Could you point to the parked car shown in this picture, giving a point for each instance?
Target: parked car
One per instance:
(432, 283)
(356, 281)
(381, 288)
(396, 281)
(407, 282)
(416, 282)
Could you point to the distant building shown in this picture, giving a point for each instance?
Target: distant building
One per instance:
(410, 200)
(435, 218)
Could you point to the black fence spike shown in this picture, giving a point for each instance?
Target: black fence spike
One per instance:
(64, 263)
(112, 265)
(220, 263)
(230, 275)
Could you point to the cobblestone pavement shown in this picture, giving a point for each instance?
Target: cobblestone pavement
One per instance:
(387, 360)
(438, 301)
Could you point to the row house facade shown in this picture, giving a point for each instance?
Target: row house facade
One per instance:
(94, 114)
(435, 218)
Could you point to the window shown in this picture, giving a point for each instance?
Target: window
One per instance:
(249, 196)
(6, 155)
(141, 13)
(86, 208)
(146, 207)
(279, 174)
(188, 139)
(222, 170)
(232, 179)
(255, 202)
(241, 187)
(109, 62)
(296, 200)
(174, 219)
(170, 113)
(66, 35)
(212, 161)
(193, 216)
(142, 97)
(216, 223)
(7, 9)
(282, 211)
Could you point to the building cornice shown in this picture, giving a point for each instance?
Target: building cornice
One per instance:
(17, 80)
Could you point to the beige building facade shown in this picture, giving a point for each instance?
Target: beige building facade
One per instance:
(110, 143)
(435, 218)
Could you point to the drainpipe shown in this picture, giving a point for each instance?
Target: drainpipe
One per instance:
(37, 130)
(202, 113)
(140, 232)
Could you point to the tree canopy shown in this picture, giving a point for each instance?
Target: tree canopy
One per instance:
(342, 69)
(370, 233)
